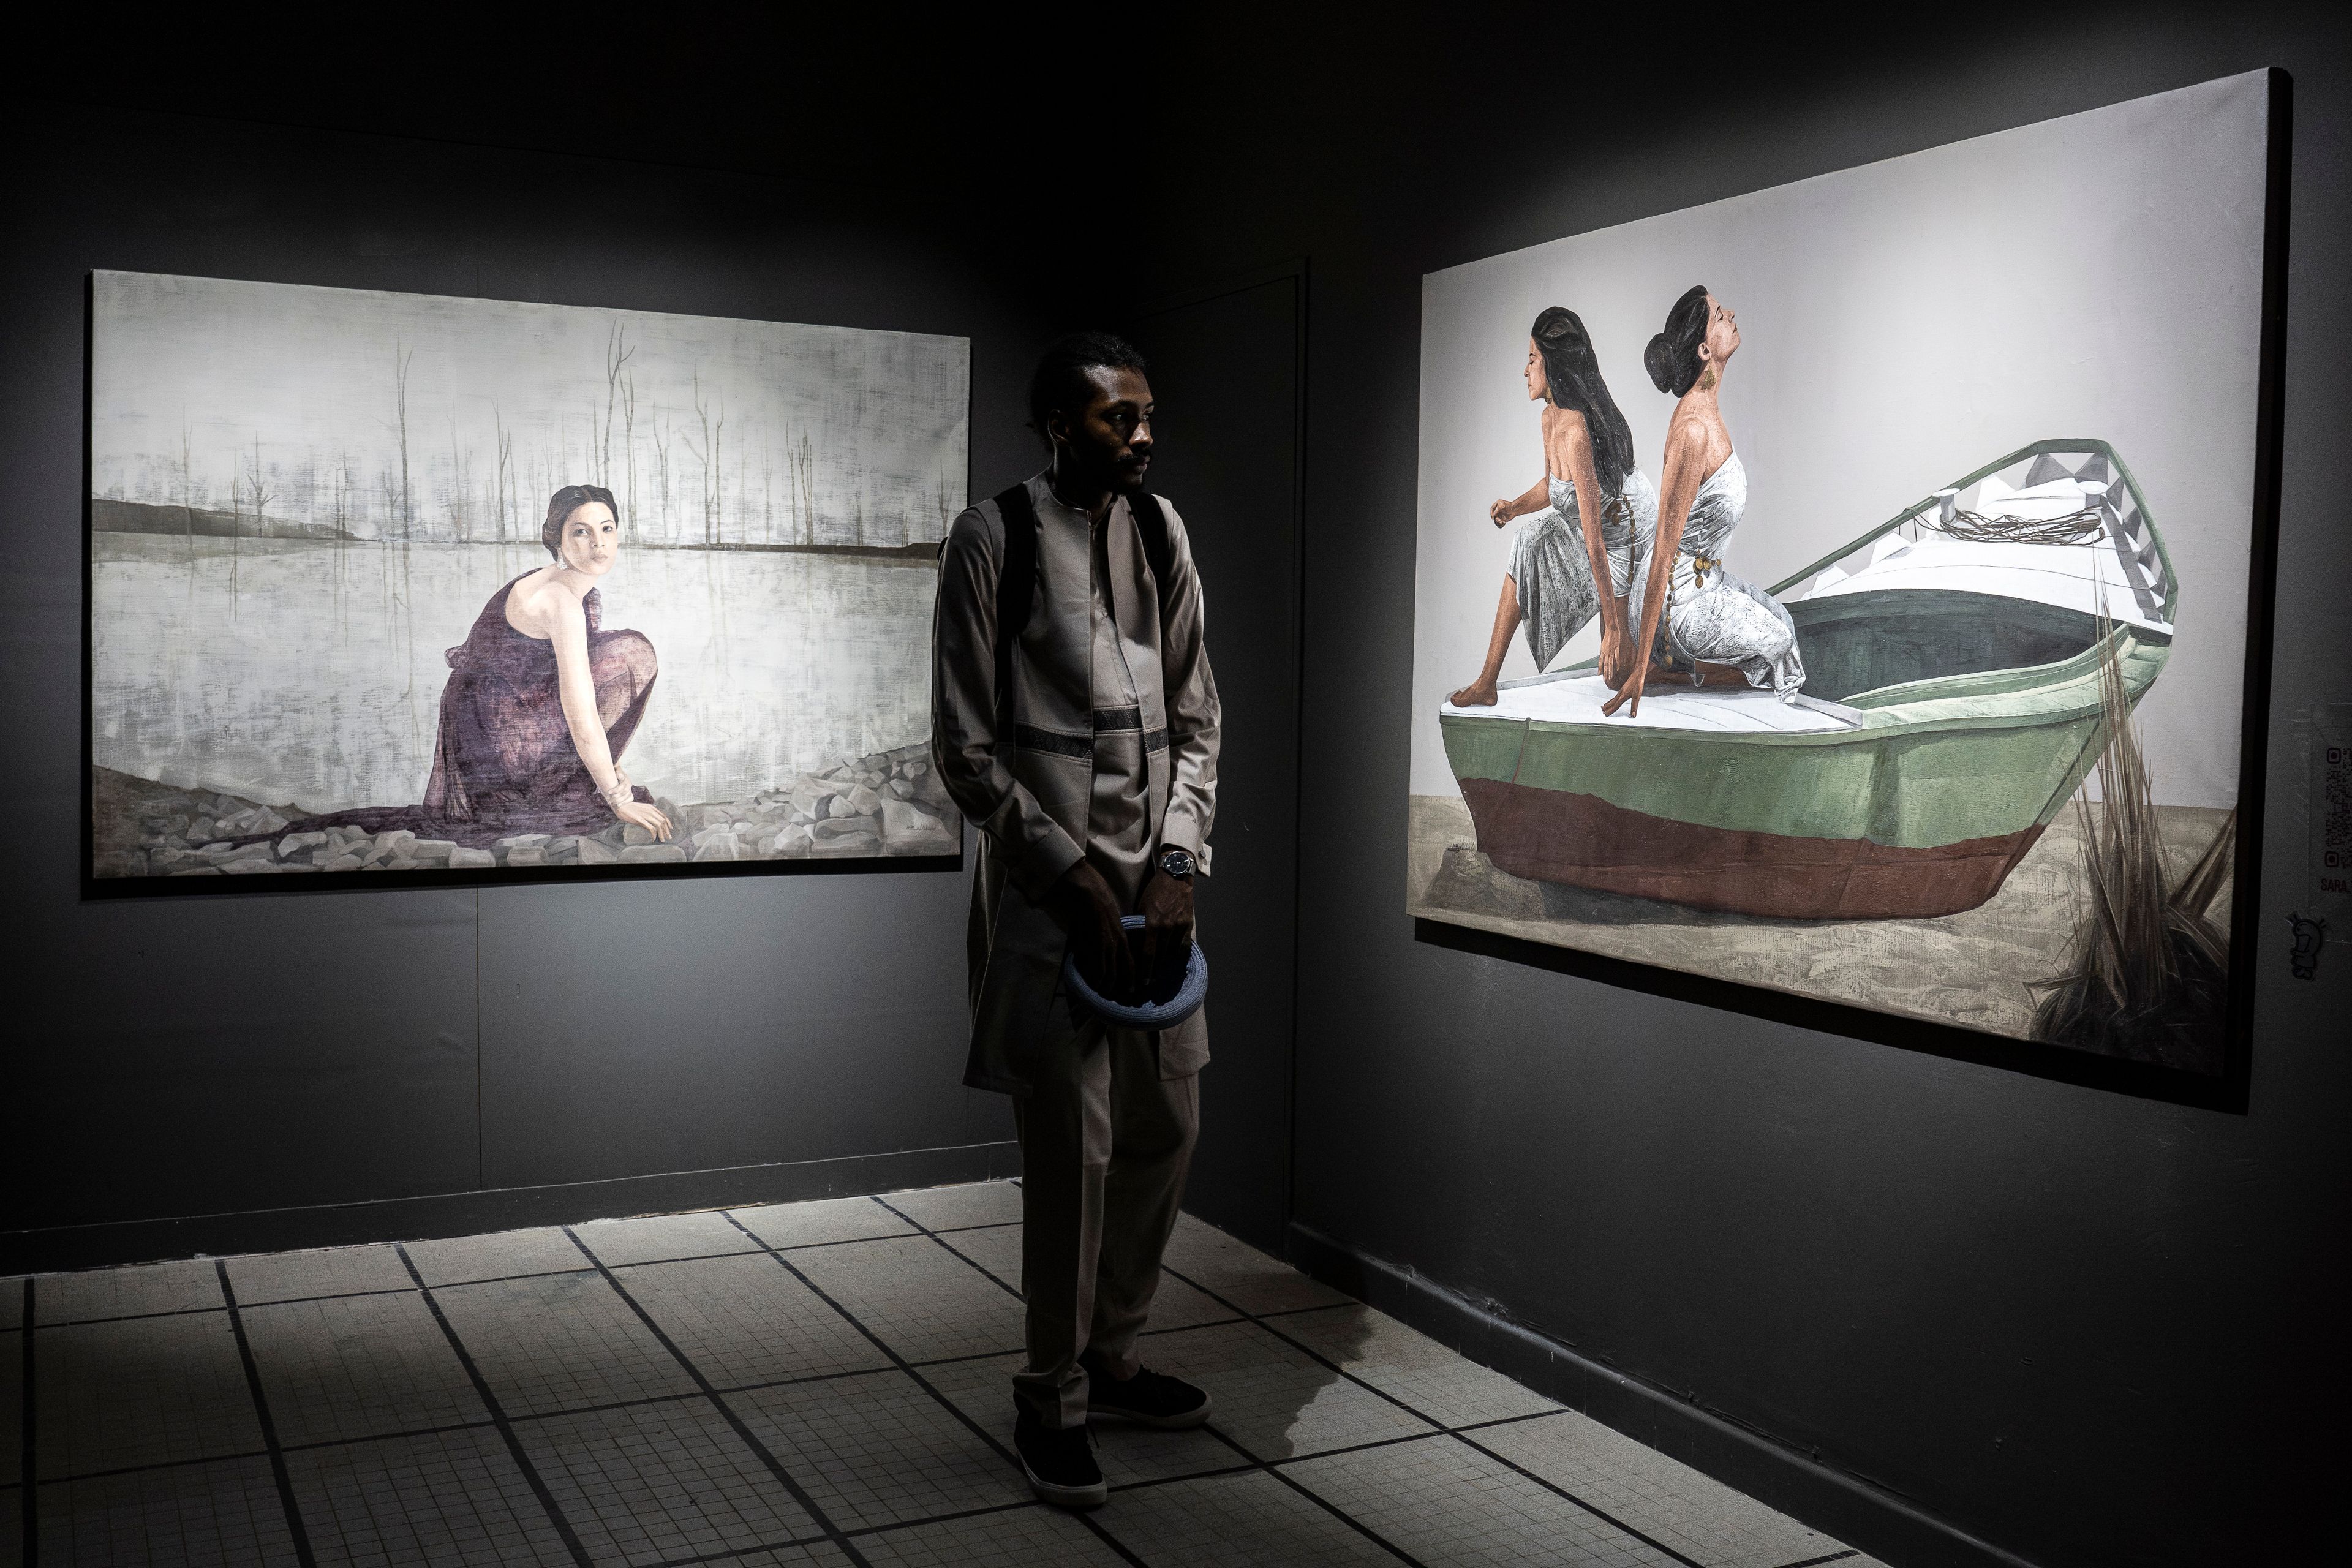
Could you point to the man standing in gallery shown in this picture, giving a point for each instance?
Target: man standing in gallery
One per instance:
(1074, 719)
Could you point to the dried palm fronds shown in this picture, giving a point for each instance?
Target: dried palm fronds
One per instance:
(2147, 974)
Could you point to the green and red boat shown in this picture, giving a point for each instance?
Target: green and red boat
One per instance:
(1951, 708)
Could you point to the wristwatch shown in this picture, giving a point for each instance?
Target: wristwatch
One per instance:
(1177, 863)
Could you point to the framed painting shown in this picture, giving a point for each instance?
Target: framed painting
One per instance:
(420, 587)
(1857, 591)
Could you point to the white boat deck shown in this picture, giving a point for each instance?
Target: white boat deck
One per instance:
(1577, 700)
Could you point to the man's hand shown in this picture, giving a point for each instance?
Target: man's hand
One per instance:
(1084, 906)
(1166, 918)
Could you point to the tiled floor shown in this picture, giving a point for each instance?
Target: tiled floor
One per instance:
(811, 1383)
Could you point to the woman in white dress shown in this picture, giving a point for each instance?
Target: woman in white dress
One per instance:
(1719, 629)
(1561, 572)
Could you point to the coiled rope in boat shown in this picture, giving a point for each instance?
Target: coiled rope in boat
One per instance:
(2074, 528)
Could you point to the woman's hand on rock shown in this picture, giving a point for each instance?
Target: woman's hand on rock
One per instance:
(645, 815)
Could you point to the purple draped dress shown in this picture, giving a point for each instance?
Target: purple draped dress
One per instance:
(503, 763)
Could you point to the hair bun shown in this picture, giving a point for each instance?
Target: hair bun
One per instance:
(1658, 359)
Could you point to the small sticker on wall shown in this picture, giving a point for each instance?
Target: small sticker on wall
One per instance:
(2328, 889)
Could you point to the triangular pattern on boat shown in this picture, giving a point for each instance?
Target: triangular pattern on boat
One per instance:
(2097, 468)
(2045, 469)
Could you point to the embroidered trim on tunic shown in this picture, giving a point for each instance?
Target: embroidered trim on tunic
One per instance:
(1031, 739)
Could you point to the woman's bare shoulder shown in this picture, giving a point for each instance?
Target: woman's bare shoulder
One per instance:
(538, 606)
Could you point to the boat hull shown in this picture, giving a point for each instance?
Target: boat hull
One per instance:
(1581, 840)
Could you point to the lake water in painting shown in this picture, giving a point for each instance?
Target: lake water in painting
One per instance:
(312, 671)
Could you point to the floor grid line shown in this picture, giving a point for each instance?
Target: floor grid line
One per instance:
(859, 1442)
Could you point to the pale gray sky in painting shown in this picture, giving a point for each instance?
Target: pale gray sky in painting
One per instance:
(829, 434)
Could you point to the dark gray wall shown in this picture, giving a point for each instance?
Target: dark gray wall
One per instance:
(2087, 1327)
(187, 1056)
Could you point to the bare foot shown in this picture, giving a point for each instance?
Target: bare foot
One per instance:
(1477, 694)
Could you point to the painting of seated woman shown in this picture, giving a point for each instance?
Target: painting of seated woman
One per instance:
(337, 630)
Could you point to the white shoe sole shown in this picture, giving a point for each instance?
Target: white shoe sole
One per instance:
(1094, 1496)
(1184, 1423)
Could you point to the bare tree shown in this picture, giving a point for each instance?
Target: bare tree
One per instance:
(804, 464)
(707, 455)
(256, 486)
(505, 468)
(661, 470)
(400, 412)
(460, 481)
(767, 488)
(616, 354)
(629, 442)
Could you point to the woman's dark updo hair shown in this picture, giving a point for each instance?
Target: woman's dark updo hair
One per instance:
(562, 504)
(1672, 358)
(1572, 375)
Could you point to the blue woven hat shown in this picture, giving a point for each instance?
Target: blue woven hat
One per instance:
(1162, 1009)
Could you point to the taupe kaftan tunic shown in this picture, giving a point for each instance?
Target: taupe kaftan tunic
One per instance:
(1111, 757)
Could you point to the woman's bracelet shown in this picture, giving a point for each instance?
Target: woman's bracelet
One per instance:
(620, 795)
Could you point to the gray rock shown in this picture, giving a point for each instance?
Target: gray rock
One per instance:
(863, 800)
(402, 863)
(202, 830)
(899, 789)
(433, 849)
(632, 834)
(652, 855)
(840, 808)
(846, 846)
(900, 820)
(199, 871)
(172, 860)
(567, 845)
(293, 843)
(918, 768)
(340, 863)
(395, 841)
(596, 852)
(718, 844)
(526, 855)
(793, 840)
(250, 868)
(118, 863)
(270, 823)
(464, 857)
(524, 841)
(257, 851)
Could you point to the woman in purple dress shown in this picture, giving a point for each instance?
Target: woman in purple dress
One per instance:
(542, 700)
(540, 703)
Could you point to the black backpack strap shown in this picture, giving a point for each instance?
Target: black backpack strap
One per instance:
(1158, 553)
(1017, 591)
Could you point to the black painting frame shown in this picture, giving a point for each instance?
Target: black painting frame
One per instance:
(96, 888)
(2228, 1091)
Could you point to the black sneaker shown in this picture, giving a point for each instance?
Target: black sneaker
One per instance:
(1060, 1464)
(1148, 1398)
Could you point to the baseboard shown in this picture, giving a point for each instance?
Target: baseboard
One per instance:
(1845, 1505)
(504, 1208)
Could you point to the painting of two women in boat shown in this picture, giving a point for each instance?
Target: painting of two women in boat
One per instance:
(1601, 525)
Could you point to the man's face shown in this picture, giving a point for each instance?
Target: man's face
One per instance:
(1110, 442)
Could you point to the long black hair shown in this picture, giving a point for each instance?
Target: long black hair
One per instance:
(1672, 358)
(562, 504)
(1572, 375)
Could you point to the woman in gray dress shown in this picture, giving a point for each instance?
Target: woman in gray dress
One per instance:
(1561, 572)
(1718, 628)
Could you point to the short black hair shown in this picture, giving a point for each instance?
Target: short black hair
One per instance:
(1060, 379)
